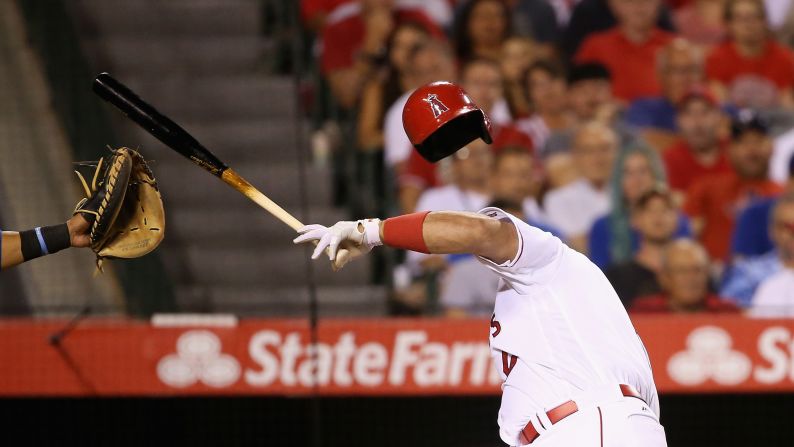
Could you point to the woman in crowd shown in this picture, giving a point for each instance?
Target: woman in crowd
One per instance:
(518, 53)
(480, 30)
(388, 85)
(638, 169)
(547, 92)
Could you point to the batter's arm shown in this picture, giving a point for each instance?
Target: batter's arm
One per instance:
(440, 232)
(449, 232)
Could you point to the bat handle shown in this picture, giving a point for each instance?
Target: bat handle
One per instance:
(234, 180)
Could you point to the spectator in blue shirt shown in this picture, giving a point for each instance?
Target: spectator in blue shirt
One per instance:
(655, 217)
(751, 236)
(742, 280)
(637, 171)
(680, 69)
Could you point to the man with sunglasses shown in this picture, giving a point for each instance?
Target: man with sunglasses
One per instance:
(774, 297)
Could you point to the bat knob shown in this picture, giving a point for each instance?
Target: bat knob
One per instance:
(343, 256)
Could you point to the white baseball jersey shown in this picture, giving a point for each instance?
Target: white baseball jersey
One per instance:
(558, 317)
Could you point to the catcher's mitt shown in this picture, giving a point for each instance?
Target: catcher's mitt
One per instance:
(123, 206)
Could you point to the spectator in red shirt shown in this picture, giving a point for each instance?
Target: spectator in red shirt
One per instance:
(701, 22)
(629, 49)
(480, 29)
(316, 12)
(700, 151)
(684, 279)
(751, 69)
(354, 46)
(591, 16)
(714, 202)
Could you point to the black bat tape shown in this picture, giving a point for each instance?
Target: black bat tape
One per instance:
(156, 123)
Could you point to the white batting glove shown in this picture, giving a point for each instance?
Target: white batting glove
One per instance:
(357, 238)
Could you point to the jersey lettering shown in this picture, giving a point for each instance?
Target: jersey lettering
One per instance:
(497, 327)
(508, 363)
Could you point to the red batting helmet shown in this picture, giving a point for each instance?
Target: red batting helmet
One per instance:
(440, 118)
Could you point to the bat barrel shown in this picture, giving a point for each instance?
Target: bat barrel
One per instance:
(156, 123)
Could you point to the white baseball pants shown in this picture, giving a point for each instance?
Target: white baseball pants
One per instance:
(626, 422)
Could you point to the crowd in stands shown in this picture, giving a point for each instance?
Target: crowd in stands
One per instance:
(656, 137)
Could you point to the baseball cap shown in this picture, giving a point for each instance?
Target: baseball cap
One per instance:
(699, 93)
(748, 120)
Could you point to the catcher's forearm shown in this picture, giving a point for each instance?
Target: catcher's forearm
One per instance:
(448, 232)
(31, 244)
(10, 252)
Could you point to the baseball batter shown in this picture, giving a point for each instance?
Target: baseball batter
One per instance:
(575, 372)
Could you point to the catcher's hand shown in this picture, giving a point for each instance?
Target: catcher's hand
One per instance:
(79, 228)
(344, 241)
(123, 207)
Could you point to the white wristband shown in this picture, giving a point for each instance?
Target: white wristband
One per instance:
(371, 232)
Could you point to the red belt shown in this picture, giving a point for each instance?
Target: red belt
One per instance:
(558, 413)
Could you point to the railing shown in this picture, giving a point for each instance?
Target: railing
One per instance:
(88, 128)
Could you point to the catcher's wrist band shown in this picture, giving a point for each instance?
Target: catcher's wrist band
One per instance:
(42, 241)
(406, 232)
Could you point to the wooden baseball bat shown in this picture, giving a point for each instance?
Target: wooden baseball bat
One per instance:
(178, 139)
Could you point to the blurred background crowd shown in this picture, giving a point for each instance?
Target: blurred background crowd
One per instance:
(656, 137)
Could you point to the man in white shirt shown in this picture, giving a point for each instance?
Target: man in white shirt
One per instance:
(774, 298)
(471, 169)
(559, 335)
(469, 189)
(781, 156)
(574, 207)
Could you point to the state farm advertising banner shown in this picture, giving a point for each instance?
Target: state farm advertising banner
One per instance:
(375, 357)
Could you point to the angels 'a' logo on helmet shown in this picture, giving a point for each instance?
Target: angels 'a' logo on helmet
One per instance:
(436, 105)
